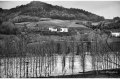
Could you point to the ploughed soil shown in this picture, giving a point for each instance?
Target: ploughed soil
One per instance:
(111, 73)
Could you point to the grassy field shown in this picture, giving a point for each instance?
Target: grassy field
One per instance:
(53, 23)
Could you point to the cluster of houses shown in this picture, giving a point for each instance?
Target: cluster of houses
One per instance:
(62, 29)
(65, 29)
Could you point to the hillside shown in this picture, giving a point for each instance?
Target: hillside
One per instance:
(44, 10)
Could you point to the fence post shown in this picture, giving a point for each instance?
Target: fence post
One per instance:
(36, 65)
(27, 69)
(39, 65)
(0, 66)
(73, 57)
(84, 53)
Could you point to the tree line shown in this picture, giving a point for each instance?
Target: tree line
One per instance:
(108, 25)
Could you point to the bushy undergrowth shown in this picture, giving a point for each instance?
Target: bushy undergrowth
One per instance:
(23, 18)
(20, 46)
(8, 28)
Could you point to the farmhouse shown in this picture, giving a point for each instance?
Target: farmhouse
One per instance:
(52, 29)
(115, 34)
(63, 30)
(58, 29)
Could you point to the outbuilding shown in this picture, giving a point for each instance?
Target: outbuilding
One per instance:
(115, 34)
(63, 30)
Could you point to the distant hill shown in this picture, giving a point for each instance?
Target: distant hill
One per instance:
(44, 10)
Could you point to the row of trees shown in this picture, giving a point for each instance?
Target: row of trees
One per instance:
(112, 24)
(22, 18)
(23, 44)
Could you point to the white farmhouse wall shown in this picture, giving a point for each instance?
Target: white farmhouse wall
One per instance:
(52, 29)
(63, 29)
(115, 34)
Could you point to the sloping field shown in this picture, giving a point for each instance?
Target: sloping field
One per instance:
(51, 23)
(73, 24)
(54, 23)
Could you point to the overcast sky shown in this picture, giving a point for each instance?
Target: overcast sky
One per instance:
(108, 9)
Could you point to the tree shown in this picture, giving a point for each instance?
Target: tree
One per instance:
(8, 28)
(0, 22)
(116, 19)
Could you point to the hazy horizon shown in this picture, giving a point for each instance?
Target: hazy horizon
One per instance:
(107, 9)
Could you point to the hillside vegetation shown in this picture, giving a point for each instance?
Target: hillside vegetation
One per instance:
(107, 25)
(44, 10)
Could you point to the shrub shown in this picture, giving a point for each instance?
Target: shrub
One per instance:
(8, 28)
(0, 22)
(24, 18)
